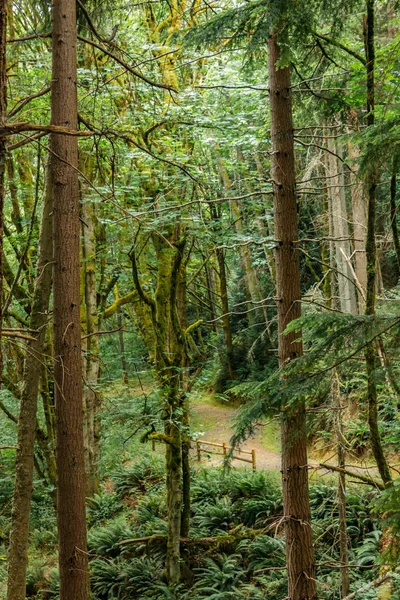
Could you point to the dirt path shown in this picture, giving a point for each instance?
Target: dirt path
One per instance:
(215, 423)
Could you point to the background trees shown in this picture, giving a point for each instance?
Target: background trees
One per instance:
(181, 288)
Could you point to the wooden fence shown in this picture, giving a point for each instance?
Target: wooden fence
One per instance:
(225, 448)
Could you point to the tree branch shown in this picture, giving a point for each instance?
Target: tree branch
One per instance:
(341, 46)
(363, 478)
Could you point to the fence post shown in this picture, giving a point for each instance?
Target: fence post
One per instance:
(224, 448)
(198, 451)
(153, 445)
(253, 459)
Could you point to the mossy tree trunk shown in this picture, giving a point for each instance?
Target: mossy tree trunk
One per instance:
(27, 430)
(170, 358)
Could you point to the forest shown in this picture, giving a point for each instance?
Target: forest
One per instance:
(199, 299)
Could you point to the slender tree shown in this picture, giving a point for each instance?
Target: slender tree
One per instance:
(67, 335)
(372, 180)
(34, 359)
(297, 518)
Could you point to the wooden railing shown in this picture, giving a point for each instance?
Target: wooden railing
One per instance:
(225, 448)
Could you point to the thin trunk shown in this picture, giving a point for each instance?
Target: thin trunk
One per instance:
(226, 322)
(210, 292)
(71, 486)
(265, 227)
(370, 350)
(223, 289)
(300, 560)
(182, 312)
(92, 363)
(251, 282)
(359, 209)
(343, 538)
(393, 212)
(47, 394)
(173, 457)
(24, 463)
(124, 364)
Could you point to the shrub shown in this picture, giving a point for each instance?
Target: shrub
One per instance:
(139, 476)
(102, 507)
(138, 578)
(215, 518)
(103, 541)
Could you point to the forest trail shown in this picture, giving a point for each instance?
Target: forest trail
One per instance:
(216, 424)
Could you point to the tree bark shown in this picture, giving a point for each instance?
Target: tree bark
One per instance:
(359, 209)
(24, 462)
(71, 486)
(370, 350)
(124, 364)
(91, 400)
(3, 153)
(393, 211)
(297, 518)
(170, 353)
(341, 450)
(345, 278)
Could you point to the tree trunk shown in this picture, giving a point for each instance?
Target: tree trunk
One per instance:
(370, 350)
(71, 487)
(91, 400)
(393, 212)
(343, 538)
(345, 278)
(24, 462)
(181, 305)
(170, 354)
(226, 322)
(124, 364)
(3, 153)
(359, 208)
(299, 548)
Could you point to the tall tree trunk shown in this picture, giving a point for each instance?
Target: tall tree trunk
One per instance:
(299, 548)
(370, 350)
(71, 487)
(91, 399)
(223, 289)
(3, 153)
(34, 359)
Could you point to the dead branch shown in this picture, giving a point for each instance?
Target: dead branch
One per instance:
(362, 478)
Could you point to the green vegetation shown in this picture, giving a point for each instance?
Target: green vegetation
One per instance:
(199, 239)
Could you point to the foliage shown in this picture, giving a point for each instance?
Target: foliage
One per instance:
(138, 477)
(102, 507)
